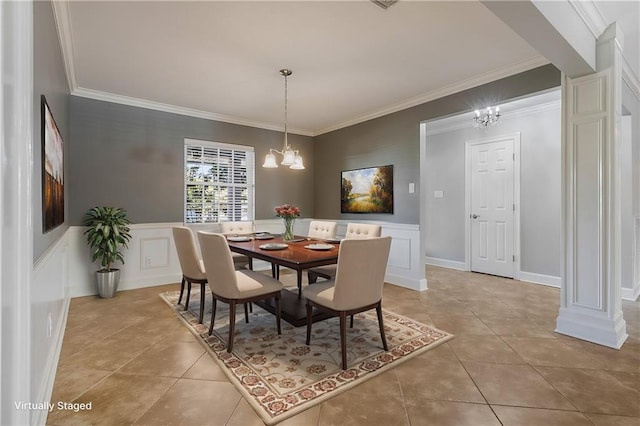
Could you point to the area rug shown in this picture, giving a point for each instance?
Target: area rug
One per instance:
(279, 375)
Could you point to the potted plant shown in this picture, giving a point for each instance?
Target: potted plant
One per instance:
(108, 231)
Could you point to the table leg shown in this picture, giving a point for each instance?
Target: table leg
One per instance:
(299, 283)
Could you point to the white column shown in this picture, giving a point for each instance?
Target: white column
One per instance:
(16, 232)
(590, 306)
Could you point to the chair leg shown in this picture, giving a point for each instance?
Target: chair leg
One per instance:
(214, 303)
(181, 291)
(246, 313)
(311, 277)
(351, 323)
(343, 338)
(381, 324)
(186, 304)
(278, 313)
(250, 307)
(309, 309)
(232, 324)
(202, 295)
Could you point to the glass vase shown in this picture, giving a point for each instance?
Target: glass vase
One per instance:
(288, 229)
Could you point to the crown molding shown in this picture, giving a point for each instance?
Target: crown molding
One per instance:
(538, 103)
(591, 15)
(158, 106)
(593, 18)
(629, 77)
(62, 17)
(442, 92)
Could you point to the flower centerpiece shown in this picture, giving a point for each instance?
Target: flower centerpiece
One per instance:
(288, 213)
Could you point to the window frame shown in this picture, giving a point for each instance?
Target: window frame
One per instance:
(250, 185)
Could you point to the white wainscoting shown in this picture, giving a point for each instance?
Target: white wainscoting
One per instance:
(151, 258)
(48, 316)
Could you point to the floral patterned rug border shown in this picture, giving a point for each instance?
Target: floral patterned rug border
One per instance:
(274, 406)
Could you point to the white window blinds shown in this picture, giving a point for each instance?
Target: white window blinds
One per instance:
(219, 182)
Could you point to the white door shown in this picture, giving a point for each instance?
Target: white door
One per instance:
(492, 208)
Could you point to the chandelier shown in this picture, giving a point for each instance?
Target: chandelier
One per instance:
(290, 158)
(486, 118)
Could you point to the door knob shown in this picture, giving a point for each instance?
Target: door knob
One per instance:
(475, 216)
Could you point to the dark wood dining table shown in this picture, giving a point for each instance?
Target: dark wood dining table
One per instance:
(295, 256)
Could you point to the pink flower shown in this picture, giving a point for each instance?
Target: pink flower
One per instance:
(287, 211)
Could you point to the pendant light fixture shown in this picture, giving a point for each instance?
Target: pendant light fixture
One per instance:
(290, 158)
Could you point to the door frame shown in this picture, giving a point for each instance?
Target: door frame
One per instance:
(516, 197)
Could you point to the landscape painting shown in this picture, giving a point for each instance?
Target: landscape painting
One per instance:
(52, 171)
(367, 190)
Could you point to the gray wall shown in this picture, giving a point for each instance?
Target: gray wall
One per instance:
(394, 139)
(132, 158)
(46, 298)
(540, 190)
(49, 79)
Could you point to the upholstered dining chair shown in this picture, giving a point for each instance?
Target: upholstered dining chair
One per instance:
(231, 286)
(237, 228)
(240, 261)
(192, 267)
(322, 229)
(354, 231)
(356, 288)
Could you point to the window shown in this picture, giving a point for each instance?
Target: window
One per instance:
(218, 182)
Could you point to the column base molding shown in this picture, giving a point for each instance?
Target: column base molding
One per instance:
(593, 328)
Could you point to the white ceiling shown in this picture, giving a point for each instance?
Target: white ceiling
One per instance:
(351, 60)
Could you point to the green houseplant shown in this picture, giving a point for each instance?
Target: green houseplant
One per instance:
(107, 233)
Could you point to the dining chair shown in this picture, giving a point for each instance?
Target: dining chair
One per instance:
(354, 231)
(231, 286)
(192, 267)
(357, 286)
(239, 229)
(322, 229)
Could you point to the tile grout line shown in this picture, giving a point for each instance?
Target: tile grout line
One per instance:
(404, 404)
(476, 385)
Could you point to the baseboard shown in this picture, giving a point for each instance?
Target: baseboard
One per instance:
(630, 293)
(39, 417)
(547, 280)
(143, 282)
(406, 282)
(445, 263)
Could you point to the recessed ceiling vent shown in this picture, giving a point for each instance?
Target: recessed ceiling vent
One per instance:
(385, 4)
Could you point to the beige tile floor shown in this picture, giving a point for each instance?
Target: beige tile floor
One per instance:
(137, 364)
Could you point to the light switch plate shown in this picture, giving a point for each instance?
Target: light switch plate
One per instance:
(438, 194)
(412, 188)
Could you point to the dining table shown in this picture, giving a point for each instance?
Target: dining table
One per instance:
(299, 254)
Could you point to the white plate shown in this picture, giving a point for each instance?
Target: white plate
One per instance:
(274, 246)
(238, 239)
(333, 240)
(319, 246)
(264, 237)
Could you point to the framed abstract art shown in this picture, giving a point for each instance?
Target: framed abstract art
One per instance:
(52, 170)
